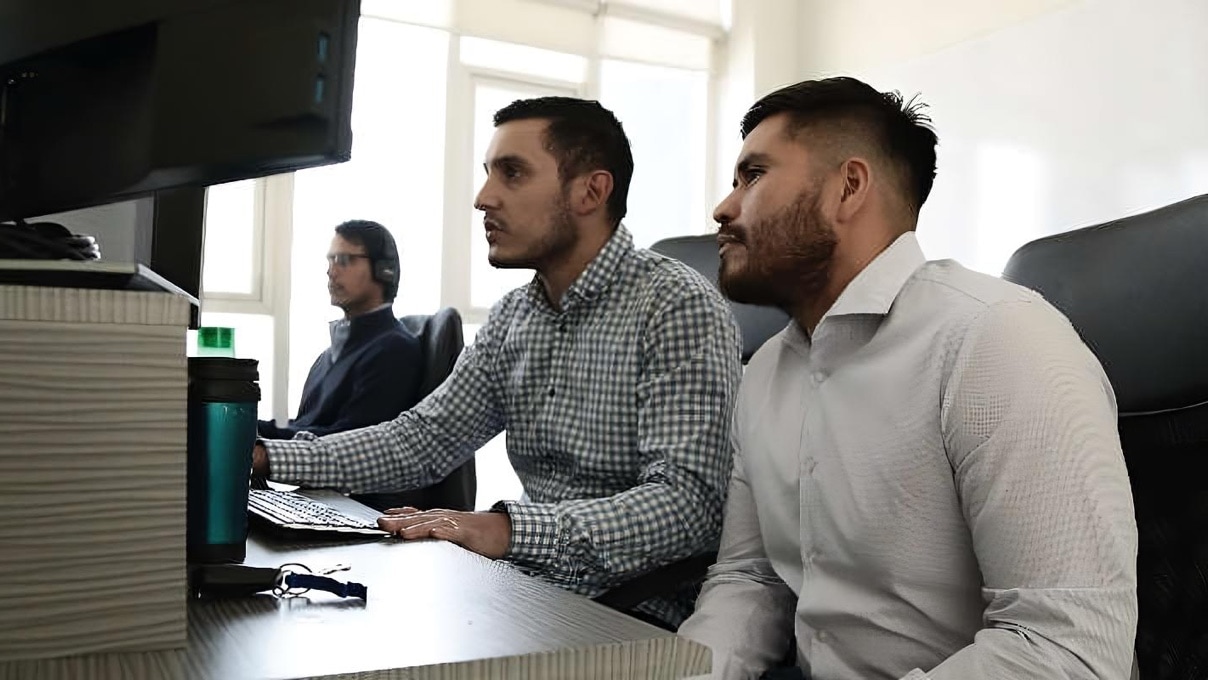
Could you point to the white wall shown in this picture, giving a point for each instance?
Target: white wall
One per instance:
(1072, 116)
(759, 55)
(844, 36)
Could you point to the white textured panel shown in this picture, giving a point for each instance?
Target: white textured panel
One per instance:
(33, 303)
(124, 666)
(92, 472)
(665, 658)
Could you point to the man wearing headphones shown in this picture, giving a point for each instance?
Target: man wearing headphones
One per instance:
(372, 370)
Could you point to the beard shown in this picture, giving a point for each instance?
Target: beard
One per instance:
(558, 238)
(788, 256)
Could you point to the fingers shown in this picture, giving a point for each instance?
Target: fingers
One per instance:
(401, 511)
(440, 524)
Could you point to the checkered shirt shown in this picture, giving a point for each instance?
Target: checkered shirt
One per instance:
(617, 411)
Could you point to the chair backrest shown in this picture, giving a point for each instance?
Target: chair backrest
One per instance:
(1137, 291)
(441, 343)
(700, 252)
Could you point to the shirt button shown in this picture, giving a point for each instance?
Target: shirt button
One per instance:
(818, 377)
(551, 391)
(822, 636)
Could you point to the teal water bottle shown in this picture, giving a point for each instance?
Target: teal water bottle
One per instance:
(223, 400)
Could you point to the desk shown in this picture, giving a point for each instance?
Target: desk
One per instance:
(434, 611)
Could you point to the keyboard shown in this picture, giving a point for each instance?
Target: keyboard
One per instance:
(295, 512)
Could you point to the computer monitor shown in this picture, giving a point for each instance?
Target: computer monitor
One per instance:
(107, 101)
(112, 100)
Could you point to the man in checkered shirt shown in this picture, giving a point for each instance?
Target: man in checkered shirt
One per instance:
(613, 372)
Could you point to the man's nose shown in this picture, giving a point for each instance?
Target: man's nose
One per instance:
(727, 210)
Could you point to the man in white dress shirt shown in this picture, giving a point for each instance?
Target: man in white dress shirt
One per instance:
(928, 480)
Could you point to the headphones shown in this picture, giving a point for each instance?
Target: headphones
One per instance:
(385, 267)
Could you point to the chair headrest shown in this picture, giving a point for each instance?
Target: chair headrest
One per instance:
(700, 252)
(445, 322)
(1137, 291)
(440, 339)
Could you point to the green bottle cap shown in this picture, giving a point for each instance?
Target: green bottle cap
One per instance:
(215, 341)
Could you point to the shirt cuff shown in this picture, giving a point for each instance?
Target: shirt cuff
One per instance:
(534, 532)
(301, 461)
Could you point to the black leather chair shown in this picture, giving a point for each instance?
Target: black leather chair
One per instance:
(757, 324)
(700, 252)
(1137, 291)
(441, 342)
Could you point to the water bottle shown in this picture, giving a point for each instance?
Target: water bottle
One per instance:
(223, 400)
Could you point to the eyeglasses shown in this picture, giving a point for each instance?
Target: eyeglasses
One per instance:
(342, 260)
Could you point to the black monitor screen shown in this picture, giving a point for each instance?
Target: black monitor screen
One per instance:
(162, 94)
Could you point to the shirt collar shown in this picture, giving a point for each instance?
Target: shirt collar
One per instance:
(596, 278)
(876, 287)
(341, 329)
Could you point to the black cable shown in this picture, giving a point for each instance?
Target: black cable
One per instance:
(20, 240)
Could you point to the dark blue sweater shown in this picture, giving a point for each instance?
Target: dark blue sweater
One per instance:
(376, 377)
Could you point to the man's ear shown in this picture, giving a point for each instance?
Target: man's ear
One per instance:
(856, 175)
(593, 191)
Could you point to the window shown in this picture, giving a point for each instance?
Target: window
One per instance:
(231, 262)
(664, 114)
(705, 11)
(503, 56)
(395, 177)
(652, 44)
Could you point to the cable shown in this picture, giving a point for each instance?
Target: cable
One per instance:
(20, 240)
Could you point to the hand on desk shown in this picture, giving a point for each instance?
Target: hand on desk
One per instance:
(486, 533)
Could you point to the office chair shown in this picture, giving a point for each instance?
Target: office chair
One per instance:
(757, 324)
(1137, 291)
(440, 340)
(700, 252)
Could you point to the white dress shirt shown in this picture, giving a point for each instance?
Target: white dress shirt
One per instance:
(931, 486)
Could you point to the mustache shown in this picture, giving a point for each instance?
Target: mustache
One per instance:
(728, 233)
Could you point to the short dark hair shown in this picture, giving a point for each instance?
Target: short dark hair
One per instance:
(898, 129)
(379, 246)
(583, 136)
